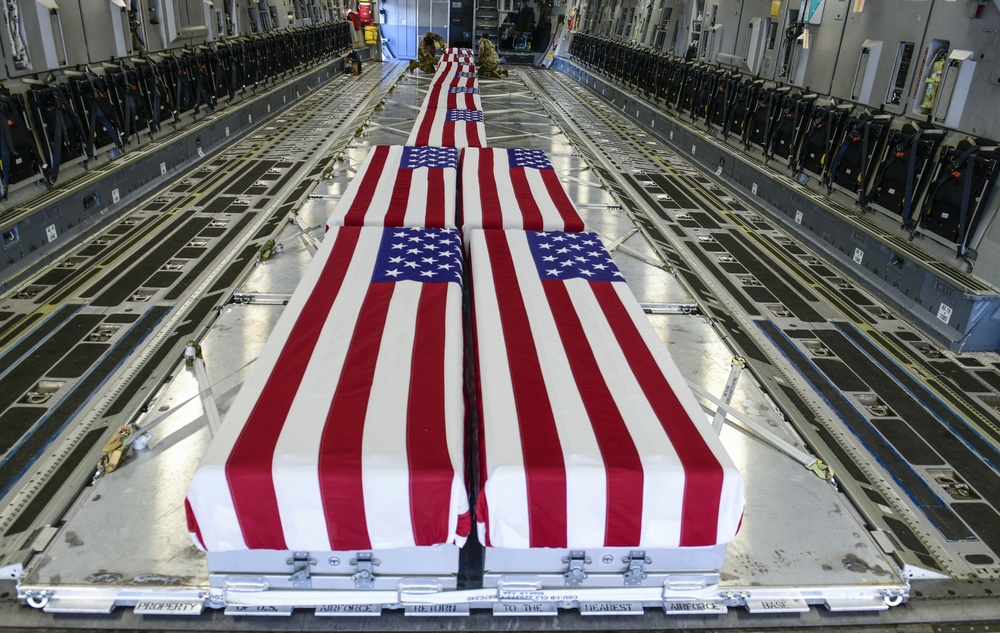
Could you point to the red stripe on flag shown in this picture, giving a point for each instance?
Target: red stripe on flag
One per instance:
(479, 469)
(530, 213)
(431, 470)
(435, 215)
(426, 127)
(489, 196)
(448, 132)
(399, 199)
(703, 475)
(433, 96)
(571, 219)
(340, 450)
(622, 466)
(472, 135)
(464, 525)
(483, 516)
(544, 467)
(192, 523)
(355, 216)
(248, 469)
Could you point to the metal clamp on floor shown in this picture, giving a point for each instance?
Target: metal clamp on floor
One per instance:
(635, 574)
(300, 563)
(114, 451)
(820, 469)
(745, 423)
(364, 578)
(575, 574)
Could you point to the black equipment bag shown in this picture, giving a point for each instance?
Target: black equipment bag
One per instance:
(686, 89)
(744, 96)
(60, 132)
(824, 130)
(720, 100)
(859, 154)
(99, 116)
(705, 79)
(961, 192)
(793, 115)
(19, 155)
(133, 112)
(159, 100)
(761, 116)
(670, 82)
(901, 179)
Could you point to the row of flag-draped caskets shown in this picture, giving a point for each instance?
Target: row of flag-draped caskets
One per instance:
(349, 437)
(432, 351)
(452, 111)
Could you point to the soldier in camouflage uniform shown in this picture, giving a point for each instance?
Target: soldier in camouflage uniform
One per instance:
(426, 59)
(489, 62)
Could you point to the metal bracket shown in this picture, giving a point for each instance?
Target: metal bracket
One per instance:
(300, 563)
(575, 575)
(635, 575)
(737, 365)
(365, 576)
(820, 469)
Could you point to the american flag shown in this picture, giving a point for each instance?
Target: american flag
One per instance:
(447, 77)
(349, 432)
(401, 186)
(514, 189)
(464, 115)
(440, 96)
(466, 58)
(452, 67)
(589, 435)
(458, 51)
(449, 128)
(459, 80)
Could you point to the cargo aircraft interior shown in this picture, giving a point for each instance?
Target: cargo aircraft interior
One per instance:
(494, 314)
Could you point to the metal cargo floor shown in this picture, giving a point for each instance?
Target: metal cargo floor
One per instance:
(696, 245)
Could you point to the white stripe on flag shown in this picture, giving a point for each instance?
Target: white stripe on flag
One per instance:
(385, 462)
(416, 202)
(296, 478)
(454, 401)
(510, 210)
(436, 135)
(507, 488)
(386, 176)
(586, 478)
(732, 494)
(211, 507)
(661, 513)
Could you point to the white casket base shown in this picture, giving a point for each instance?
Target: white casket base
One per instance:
(602, 567)
(334, 570)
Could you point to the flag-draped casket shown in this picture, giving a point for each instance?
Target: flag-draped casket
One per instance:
(452, 76)
(349, 432)
(589, 435)
(448, 128)
(401, 186)
(456, 79)
(514, 189)
(463, 58)
(453, 67)
(440, 96)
